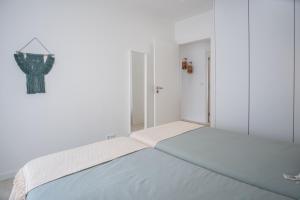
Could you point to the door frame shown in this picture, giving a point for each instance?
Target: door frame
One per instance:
(145, 88)
(208, 85)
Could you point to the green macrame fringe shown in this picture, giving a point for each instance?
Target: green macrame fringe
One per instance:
(35, 68)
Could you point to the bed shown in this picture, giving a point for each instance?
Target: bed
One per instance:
(149, 175)
(174, 161)
(252, 160)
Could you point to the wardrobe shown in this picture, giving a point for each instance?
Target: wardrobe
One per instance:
(258, 67)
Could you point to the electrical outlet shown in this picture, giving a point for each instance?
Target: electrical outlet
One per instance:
(109, 137)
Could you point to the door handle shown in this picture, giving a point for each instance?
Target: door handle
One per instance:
(158, 88)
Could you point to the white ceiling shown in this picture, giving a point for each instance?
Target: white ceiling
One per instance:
(171, 9)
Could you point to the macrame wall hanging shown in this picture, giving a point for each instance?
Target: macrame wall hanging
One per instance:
(35, 67)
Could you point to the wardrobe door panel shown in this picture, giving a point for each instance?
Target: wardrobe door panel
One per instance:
(232, 65)
(297, 70)
(271, 68)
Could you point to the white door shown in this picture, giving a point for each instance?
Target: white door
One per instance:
(271, 68)
(166, 82)
(232, 65)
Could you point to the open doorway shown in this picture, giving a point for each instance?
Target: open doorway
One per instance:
(138, 83)
(196, 82)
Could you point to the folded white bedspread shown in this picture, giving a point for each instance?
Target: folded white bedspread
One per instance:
(51, 167)
(152, 136)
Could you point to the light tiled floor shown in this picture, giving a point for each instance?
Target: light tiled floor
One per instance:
(136, 127)
(5, 188)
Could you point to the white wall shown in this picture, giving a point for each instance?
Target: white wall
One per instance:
(195, 28)
(88, 88)
(194, 86)
(138, 92)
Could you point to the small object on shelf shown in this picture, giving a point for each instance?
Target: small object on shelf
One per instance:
(190, 68)
(184, 63)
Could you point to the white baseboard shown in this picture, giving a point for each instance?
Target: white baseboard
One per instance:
(7, 175)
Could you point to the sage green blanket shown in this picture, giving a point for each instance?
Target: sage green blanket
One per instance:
(257, 161)
(148, 175)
